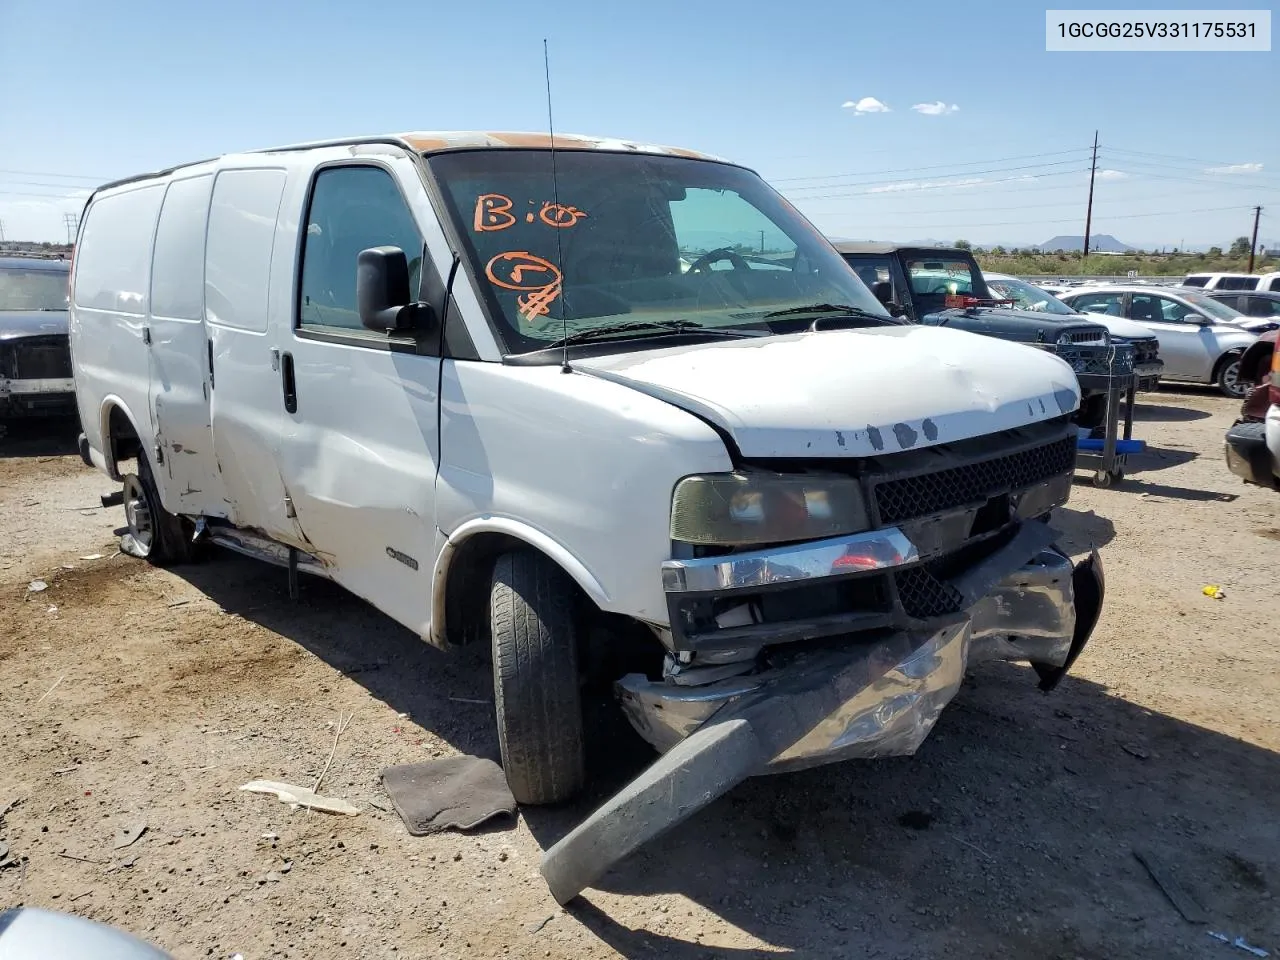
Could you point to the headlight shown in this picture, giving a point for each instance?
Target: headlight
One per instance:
(734, 509)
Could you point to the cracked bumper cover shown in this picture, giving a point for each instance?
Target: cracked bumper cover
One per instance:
(882, 693)
(872, 695)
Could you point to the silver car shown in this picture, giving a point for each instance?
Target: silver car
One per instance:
(1201, 340)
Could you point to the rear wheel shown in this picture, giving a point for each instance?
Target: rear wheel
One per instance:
(1228, 378)
(155, 535)
(535, 678)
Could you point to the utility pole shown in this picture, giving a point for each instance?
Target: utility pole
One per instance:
(1, 231)
(72, 223)
(762, 241)
(1088, 217)
(1253, 244)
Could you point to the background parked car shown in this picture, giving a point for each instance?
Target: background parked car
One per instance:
(35, 357)
(1026, 296)
(1201, 340)
(1262, 304)
(1253, 442)
(1234, 281)
(943, 286)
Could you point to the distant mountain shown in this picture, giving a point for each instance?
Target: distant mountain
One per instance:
(1102, 243)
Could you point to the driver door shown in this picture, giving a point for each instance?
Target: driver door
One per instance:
(360, 442)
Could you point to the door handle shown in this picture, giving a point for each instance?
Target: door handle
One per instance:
(287, 383)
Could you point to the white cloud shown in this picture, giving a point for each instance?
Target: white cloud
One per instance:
(866, 105)
(927, 185)
(1112, 175)
(32, 218)
(935, 109)
(1236, 168)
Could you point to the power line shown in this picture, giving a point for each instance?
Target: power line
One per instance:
(937, 185)
(1170, 156)
(1126, 216)
(953, 173)
(60, 176)
(936, 166)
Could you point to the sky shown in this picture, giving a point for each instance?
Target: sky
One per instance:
(938, 121)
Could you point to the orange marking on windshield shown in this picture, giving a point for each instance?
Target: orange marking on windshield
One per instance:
(560, 215)
(493, 212)
(538, 279)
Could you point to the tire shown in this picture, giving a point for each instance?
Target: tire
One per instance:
(155, 535)
(535, 678)
(1227, 378)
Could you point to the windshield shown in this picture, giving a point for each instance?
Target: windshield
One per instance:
(1026, 296)
(635, 238)
(26, 289)
(933, 279)
(1212, 309)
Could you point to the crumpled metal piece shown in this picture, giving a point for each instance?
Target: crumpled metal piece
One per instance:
(1029, 616)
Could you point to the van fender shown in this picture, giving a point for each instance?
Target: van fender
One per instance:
(518, 530)
(109, 403)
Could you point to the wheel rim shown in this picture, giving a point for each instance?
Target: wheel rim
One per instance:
(1231, 379)
(137, 514)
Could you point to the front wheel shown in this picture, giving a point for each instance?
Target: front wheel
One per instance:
(1228, 379)
(535, 678)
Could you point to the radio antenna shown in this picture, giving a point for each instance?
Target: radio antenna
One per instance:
(555, 198)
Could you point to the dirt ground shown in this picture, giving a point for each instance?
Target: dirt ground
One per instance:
(131, 696)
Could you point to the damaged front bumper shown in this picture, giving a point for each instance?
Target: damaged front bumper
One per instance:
(886, 691)
(868, 693)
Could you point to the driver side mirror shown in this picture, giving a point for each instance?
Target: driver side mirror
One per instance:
(382, 292)
(1199, 319)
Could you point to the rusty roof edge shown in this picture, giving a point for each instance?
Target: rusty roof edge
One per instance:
(405, 141)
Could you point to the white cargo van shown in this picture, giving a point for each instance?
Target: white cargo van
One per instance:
(470, 379)
(1233, 281)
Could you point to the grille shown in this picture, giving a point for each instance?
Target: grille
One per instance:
(41, 358)
(927, 493)
(1146, 351)
(923, 595)
(1115, 360)
(1083, 336)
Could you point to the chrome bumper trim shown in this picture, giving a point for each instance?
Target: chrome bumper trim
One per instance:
(21, 388)
(839, 556)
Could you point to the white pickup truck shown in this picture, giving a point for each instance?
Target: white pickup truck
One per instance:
(468, 377)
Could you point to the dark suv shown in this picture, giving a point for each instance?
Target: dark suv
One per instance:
(943, 286)
(35, 355)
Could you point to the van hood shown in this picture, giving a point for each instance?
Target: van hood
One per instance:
(32, 323)
(851, 393)
(1021, 326)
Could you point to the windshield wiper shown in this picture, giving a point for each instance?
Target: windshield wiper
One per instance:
(660, 327)
(831, 311)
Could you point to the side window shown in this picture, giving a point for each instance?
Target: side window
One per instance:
(1262, 307)
(1107, 303)
(707, 220)
(351, 209)
(1237, 283)
(177, 266)
(1158, 309)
